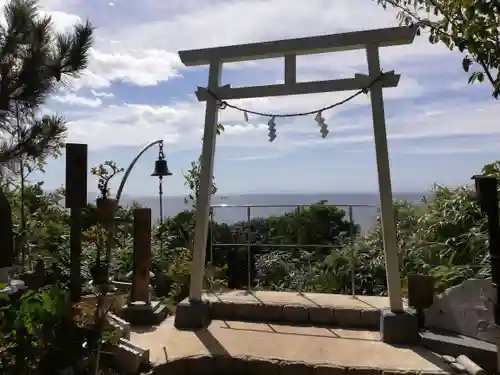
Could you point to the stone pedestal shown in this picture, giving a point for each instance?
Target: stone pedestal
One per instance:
(142, 255)
(192, 315)
(143, 313)
(141, 310)
(399, 328)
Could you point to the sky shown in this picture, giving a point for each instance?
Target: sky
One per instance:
(136, 90)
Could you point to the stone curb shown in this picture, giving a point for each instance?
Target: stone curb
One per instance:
(296, 314)
(224, 364)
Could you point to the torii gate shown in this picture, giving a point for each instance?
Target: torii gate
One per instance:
(371, 41)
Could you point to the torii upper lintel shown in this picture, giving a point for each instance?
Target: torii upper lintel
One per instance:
(392, 36)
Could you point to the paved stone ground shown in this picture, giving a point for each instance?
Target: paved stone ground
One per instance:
(266, 348)
(312, 347)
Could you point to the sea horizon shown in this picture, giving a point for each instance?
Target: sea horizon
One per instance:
(265, 205)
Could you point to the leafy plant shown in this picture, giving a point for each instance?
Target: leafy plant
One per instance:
(471, 27)
(42, 333)
(35, 60)
(105, 172)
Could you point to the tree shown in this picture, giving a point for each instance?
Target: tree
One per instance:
(34, 60)
(192, 177)
(471, 26)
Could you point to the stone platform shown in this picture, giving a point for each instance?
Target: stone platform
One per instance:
(263, 348)
(298, 308)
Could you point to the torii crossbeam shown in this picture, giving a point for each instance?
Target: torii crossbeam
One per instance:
(371, 41)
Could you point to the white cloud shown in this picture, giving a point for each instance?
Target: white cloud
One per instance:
(102, 94)
(73, 99)
(144, 52)
(181, 126)
(139, 67)
(118, 125)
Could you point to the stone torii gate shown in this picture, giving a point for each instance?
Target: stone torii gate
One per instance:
(371, 41)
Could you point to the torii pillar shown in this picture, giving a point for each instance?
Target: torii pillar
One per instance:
(193, 313)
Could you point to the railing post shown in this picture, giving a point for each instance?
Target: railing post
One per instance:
(249, 251)
(299, 234)
(353, 255)
(211, 225)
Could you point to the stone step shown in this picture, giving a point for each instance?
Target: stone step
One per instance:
(296, 314)
(297, 308)
(453, 344)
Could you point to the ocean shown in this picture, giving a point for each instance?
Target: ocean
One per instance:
(362, 215)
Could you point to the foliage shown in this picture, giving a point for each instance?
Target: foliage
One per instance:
(105, 172)
(34, 61)
(192, 177)
(41, 334)
(470, 26)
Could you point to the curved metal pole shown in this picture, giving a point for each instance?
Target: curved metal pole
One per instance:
(129, 169)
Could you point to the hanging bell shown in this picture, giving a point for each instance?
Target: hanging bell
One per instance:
(161, 169)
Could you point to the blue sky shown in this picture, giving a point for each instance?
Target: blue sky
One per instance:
(136, 90)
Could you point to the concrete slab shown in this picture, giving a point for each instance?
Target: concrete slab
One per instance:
(280, 344)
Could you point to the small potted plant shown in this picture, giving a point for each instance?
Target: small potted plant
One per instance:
(420, 294)
(106, 206)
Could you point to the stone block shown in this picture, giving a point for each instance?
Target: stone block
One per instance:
(295, 368)
(201, 364)
(347, 317)
(128, 357)
(247, 312)
(400, 372)
(263, 366)
(272, 313)
(399, 328)
(223, 310)
(364, 371)
(328, 369)
(448, 358)
(370, 318)
(191, 315)
(469, 366)
(324, 316)
(459, 368)
(230, 365)
(142, 313)
(295, 314)
(177, 366)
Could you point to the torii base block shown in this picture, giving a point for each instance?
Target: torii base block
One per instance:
(192, 315)
(399, 328)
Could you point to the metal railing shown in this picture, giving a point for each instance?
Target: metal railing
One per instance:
(249, 239)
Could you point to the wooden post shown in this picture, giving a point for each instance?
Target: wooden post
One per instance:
(205, 188)
(142, 255)
(389, 234)
(76, 200)
(487, 195)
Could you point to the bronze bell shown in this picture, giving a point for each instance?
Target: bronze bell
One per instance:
(161, 169)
